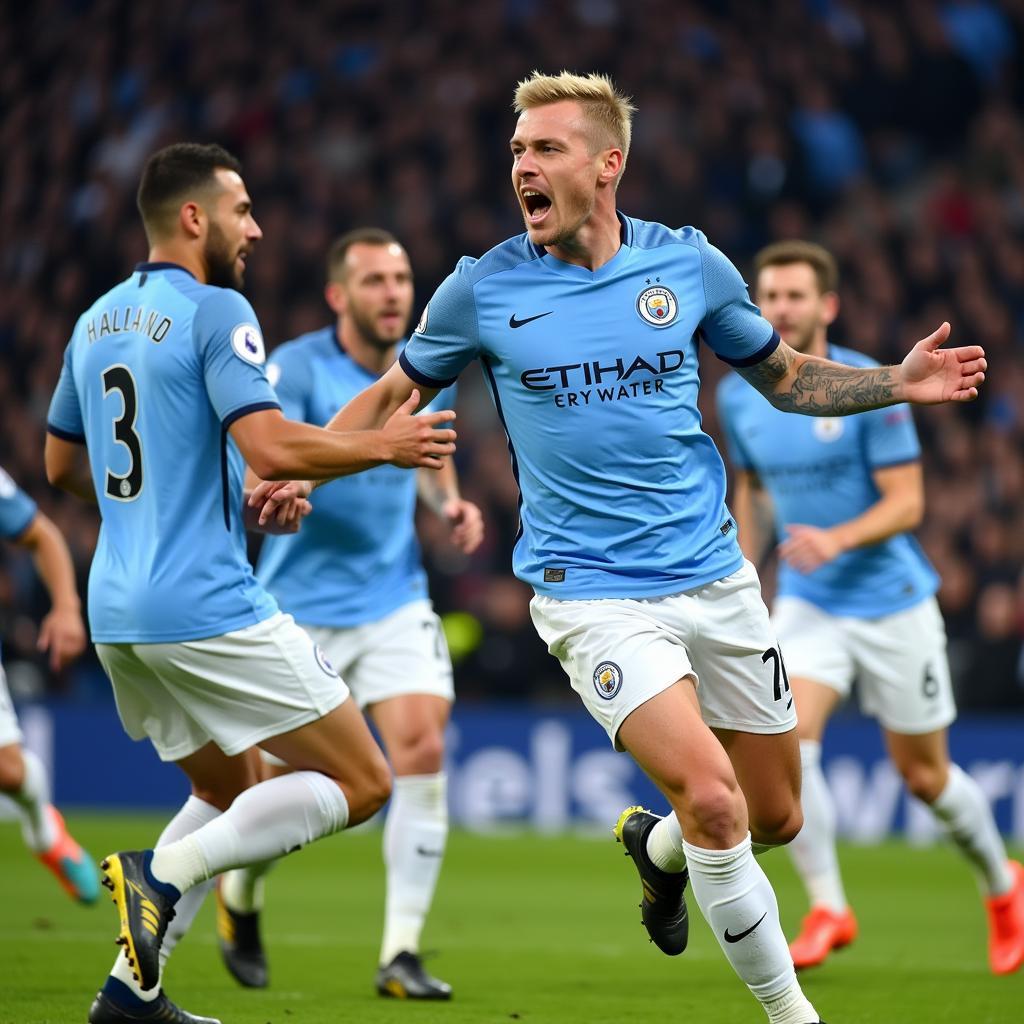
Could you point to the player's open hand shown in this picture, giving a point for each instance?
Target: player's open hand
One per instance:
(808, 547)
(278, 506)
(930, 374)
(466, 523)
(413, 441)
(62, 633)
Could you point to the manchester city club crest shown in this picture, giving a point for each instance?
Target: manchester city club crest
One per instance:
(607, 679)
(828, 428)
(657, 306)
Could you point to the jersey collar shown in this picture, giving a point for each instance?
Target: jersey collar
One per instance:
(573, 270)
(148, 268)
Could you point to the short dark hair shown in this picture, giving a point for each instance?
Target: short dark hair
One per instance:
(357, 236)
(795, 250)
(171, 173)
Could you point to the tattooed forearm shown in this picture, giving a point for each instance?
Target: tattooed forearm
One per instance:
(818, 387)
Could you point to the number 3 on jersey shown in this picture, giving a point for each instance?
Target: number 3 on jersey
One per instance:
(125, 487)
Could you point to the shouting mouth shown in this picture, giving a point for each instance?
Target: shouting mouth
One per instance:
(537, 206)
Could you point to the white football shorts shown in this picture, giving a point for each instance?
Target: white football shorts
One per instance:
(236, 690)
(404, 652)
(619, 653)
(899, 660)
(10, 731)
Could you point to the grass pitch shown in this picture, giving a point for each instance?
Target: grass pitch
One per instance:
(530, 929)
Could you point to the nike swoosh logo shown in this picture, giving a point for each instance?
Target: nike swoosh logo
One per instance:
(514, 323)
(743, 935)
(424, 852)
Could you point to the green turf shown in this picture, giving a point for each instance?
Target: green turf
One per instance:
(538, 930)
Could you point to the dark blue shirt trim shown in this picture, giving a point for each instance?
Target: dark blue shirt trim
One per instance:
(905, 461)
(421, 378)
(144, 268)
(759, 356)
(65, 435)
(237, 414)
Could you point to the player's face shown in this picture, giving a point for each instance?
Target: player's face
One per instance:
(232, 232)
(376, 292)
(791, 302)
(554, 171)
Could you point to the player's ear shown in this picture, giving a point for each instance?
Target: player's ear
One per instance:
(829, 307)
(192, 219)
(611, 165)
(335, 296)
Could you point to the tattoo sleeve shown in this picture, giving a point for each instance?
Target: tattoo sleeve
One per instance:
(819, 387)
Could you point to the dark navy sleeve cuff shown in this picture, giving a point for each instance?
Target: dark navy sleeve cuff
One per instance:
(421, 378)
(237, 414)
(761, 354)
(65, 435)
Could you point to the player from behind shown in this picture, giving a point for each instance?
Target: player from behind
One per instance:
(586, 327)
(855, 600)
(162, 400)
(23, 777)
(352, 577)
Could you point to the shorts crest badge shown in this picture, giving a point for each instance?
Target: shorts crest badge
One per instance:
(323, 661)
(657, 306)
(607, 679)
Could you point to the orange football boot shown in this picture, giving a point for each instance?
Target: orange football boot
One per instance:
(73, 867)
(1006, 925)
(822, 931)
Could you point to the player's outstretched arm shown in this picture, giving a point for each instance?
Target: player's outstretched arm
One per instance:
(281, 449)
(372, 407)
(62, 631)
(795, 382)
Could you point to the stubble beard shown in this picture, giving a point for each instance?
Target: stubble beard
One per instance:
(220, 261)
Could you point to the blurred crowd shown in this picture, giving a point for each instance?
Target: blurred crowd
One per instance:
(891, 133)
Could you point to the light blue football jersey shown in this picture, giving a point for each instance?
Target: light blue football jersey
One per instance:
(17, 509)
(818, 471)
(356, 557)
(594, 376)
(155, 373)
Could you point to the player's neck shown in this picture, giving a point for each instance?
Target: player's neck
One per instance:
(370, 357)
(594, 244)
(183, 256)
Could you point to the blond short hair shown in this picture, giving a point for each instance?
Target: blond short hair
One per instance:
(605, 108)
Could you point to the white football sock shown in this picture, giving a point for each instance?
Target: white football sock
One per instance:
(267, 821)
(814, 848)
(194, 814)
(33, 800)
(665, 845)
(415, 834)
(965, 812)
(242, 889)
(738, 902)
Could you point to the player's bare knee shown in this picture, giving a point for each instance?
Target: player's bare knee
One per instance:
(779, 828)
(420, 754)
(370, 791)
(925, 781)
(12, 769)
(715, 810)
